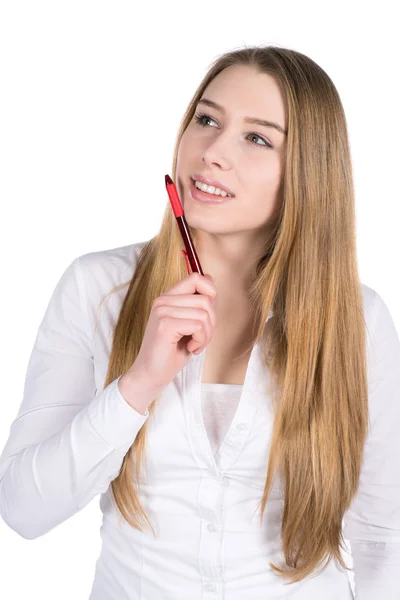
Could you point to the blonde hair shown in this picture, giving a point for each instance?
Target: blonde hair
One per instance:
(309, 274)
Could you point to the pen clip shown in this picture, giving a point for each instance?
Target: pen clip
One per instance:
(187, 261)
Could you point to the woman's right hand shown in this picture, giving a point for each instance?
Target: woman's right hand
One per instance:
(178, 314)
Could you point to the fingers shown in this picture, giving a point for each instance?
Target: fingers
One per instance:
(194, 283)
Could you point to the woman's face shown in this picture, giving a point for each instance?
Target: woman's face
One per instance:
(248, 158)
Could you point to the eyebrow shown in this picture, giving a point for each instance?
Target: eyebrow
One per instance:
(252, 120)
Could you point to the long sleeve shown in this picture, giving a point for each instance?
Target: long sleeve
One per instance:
(373, 520)
(66, 444)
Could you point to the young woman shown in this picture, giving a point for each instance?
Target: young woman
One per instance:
(275, 387)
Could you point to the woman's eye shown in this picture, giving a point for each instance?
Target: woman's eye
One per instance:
(260, 138)
(201, 118)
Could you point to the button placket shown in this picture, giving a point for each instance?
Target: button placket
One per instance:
(214, 480)
(210, 503)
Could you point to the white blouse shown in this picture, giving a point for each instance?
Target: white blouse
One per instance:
(207, 454)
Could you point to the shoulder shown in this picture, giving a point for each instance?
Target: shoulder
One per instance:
(380, 326)
(370, 300)
(118, 263)
(103, 270)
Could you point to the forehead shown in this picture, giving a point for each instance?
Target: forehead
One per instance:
(245, 91)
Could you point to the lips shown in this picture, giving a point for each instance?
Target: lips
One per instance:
(210, 199)
(214, 182)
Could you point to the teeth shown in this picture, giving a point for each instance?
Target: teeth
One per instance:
(210, 189)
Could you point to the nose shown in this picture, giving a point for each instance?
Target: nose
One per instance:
(216, 154)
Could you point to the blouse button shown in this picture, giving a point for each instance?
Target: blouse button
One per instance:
(210, 587)
(242, 426)
(210, 527)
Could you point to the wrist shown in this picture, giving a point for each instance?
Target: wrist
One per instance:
(136, 391)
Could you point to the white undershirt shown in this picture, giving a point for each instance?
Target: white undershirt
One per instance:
(219, 402)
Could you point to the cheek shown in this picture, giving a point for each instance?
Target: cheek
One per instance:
(264, 180)
(262, 195)
(187, 146)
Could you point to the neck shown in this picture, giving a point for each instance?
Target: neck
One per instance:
(230, 260)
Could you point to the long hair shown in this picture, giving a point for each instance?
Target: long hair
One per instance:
(309, 275)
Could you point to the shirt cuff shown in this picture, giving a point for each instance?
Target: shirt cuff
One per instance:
(114, 419)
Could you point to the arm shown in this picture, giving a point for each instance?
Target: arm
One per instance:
(66, 444)
(373, 519)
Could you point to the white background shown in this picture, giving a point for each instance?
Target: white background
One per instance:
(91, 97)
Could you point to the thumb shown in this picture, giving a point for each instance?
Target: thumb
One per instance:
(208, 276)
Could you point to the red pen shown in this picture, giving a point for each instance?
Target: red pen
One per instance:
(183, 228)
